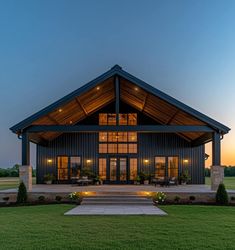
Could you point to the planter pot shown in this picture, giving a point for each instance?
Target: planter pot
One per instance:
(183, 183)
(146, 182)
(97, 183)
(48, 182)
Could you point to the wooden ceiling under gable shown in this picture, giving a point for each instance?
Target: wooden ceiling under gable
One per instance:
(103, 94)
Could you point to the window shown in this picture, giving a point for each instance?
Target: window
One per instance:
(102, 168)
(122, 148)
(75, 166)
(160, 167)
(118, 142)
(166, 166)
(68, 167)
(62, 163)
(173, 167)
(133, 168)
(132, 148)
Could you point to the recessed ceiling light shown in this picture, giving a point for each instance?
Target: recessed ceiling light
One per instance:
(70, 122)
(136, 89)
(98, 88)
(60, 110)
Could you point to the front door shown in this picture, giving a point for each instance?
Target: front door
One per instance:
(118, 170)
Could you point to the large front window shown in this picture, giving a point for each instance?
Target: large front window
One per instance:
(118, 142)
(166, 166)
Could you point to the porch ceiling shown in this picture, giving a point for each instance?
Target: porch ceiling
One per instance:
(100, 92)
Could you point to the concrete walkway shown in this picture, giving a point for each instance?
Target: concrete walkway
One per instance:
(115, 210)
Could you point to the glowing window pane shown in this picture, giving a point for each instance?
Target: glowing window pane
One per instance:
(132, 148)
(102, 148)
(112, 148)
(102, 168)
(122, 148)
(102, 119)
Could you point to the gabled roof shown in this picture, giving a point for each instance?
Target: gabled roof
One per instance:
(101, 91)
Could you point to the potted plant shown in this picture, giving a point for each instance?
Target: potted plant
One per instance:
(137, 180)
(97, 180)
(185, 177)
(146, 179)
(49, 178)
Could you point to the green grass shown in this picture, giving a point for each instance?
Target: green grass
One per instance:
(10, 182)
(229, 182)
(186, 227)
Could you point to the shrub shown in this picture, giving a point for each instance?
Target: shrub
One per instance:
(192, 198)
(75, 196)
(22, 193)
(177, 199)
(58, 198)
(221, 195)
(41, 198)
(159, 197)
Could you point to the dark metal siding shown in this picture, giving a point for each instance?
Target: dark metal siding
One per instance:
(149, 146)
(74, 144)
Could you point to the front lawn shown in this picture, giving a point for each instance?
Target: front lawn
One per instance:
(229, 182)
(186, 227)
(11, 182)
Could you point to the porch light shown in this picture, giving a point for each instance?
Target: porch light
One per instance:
(185, 161)
(88, 161)
(146, 161)
(49, 160)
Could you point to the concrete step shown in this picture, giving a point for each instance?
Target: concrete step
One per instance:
(116, 200)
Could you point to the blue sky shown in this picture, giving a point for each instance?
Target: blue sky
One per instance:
(49, 48)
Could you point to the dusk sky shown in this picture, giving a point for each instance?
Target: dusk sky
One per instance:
(50, 48)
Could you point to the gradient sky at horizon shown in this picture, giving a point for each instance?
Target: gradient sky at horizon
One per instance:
(49, 48)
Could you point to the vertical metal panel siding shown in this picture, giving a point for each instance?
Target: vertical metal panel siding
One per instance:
(73, 144)
(149, 146)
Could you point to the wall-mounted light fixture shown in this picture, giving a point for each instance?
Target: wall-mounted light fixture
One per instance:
(49, 160)
(146, 161)
(88, 161)
(185, 161)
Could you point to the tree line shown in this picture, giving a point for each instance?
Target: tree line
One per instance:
(13, 172)
(228, 171)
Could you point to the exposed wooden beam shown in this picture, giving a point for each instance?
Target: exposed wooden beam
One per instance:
(81, 106)
(202, 139)
(145, 100)
(137, 128)
(173, 117)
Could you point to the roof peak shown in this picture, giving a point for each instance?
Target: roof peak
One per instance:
(116, 66)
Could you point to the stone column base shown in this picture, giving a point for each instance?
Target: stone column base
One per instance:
(25, 174)
(217, 176)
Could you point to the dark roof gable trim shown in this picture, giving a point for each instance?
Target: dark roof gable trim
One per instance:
(117, 70)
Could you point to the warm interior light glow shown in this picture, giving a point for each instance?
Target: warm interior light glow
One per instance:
(98, 88)
(49, 160)
(136, 89)
(60, 110)
(70, 122)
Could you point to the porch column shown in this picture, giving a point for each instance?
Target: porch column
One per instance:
(25, 171)
(25, 149)
(216, 149)
(217, 171)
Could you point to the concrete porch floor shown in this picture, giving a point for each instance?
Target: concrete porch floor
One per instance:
(67, 188)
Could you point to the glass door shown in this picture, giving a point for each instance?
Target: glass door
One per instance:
(118, 170)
